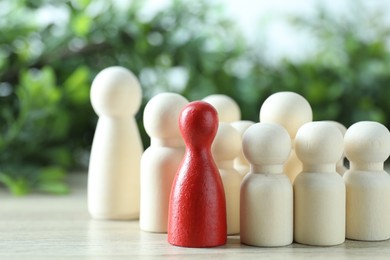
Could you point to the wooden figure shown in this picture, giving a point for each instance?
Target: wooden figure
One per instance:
(319, 191)
(114, 167)
(228, 110)
(367, 146)
(290, 110)
(266, 204)
(240, 162)
(340, 166)
(161, 160)
(197, 208)
(226, 147)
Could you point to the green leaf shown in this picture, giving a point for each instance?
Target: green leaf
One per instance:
(53, 187)
(18, 186)
(77, 85)
(52, 173)
(81, 24)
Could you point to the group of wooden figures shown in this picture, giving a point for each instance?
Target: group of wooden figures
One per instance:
(207, 174)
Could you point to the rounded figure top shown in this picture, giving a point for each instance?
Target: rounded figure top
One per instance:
(340, 126)
(367, 142)
(319, 143)
(228, 110)
(116, 92)
(198, 123)
(288, 109)
(241, 127)
(266, 144)
(227, 143)
(161, 115)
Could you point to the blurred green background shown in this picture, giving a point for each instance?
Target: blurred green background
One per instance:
(51, 50)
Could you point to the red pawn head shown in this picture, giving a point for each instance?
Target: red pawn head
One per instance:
(197, 207)
(198, 125)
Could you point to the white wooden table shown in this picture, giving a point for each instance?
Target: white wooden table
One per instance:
(38, 226)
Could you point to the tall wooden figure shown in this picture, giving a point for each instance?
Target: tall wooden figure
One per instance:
(227, 108)
(226, 146)
(161, 160)
(367, 146)
(114, 167)
(240, 162)
(197, 208)
(266, 206)
(319, 191)
(291, 111)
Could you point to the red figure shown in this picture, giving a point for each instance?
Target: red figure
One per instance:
(197, 207)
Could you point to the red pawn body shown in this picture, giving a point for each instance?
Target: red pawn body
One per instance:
(197, 207)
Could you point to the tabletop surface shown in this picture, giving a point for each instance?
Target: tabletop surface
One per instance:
(40, 225)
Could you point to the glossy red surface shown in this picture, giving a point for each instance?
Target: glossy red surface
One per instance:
(197, 208)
